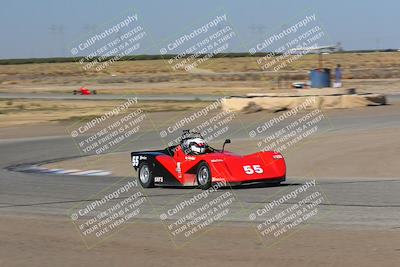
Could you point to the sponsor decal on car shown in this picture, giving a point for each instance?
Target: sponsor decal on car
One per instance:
(158, 179)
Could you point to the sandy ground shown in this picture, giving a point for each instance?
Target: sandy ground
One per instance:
(52, 241)
(21, 111)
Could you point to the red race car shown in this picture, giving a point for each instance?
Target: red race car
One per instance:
(194, 163)
(84, 91)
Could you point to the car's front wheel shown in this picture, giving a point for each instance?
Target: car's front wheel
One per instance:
(203, 175)
(146, 178)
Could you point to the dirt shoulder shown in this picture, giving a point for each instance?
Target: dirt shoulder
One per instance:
(24, 240)
(15, 112)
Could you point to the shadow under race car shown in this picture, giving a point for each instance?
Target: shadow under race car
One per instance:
(203, 165)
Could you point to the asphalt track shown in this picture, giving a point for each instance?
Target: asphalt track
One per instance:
(370, 202)
(153, 97)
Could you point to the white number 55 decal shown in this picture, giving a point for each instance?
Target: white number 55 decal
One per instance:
(135, 161)
(252, 169)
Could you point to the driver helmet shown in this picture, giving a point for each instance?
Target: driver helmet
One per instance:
(195, 146)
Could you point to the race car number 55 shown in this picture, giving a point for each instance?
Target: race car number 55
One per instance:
(252, 169)
(135, 161)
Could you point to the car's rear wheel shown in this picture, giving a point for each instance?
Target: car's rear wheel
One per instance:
(146, 178)
(203, 175)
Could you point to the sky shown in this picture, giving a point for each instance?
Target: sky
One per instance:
(50, 28)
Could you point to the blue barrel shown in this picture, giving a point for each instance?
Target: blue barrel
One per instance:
(320, 78)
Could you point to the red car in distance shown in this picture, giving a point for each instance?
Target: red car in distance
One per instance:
(84, 91)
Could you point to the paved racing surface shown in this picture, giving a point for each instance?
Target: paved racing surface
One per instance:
(355, 224)
(153, 97)
(365, 201)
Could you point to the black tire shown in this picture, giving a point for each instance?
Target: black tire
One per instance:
(144, 168)
(203, 176)
(94, 92)
(74, 92)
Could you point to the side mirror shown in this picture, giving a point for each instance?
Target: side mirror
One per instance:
(227, 141)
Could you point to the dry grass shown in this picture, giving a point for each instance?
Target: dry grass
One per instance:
(223, 76)
(17, 112)
(243, 64)
(160, 71)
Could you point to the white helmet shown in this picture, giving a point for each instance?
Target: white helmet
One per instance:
(195, 145)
